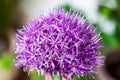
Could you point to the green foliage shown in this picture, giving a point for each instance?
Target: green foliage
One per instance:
(83, 78)
(110, 41)
(6, 62)
(35, 76)
(70, 9)
(57, 78)
(107, 12)
(118, 31)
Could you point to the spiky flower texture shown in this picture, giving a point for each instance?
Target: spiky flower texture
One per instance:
(59, 43)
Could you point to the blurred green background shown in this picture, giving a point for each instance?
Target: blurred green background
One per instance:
(15, 13)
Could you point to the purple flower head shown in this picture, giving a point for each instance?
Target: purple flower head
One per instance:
(59, 43)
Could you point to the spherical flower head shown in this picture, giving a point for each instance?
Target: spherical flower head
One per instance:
(59, 43)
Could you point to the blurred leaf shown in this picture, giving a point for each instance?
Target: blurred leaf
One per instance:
(107, 12)
(35, 76)
(83, 78)
(57, 78)
(70, 9)
(110, 40)
(6, 62)
(75, 78)
(118, 31)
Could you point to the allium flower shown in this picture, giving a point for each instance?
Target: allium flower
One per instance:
(59, 43)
